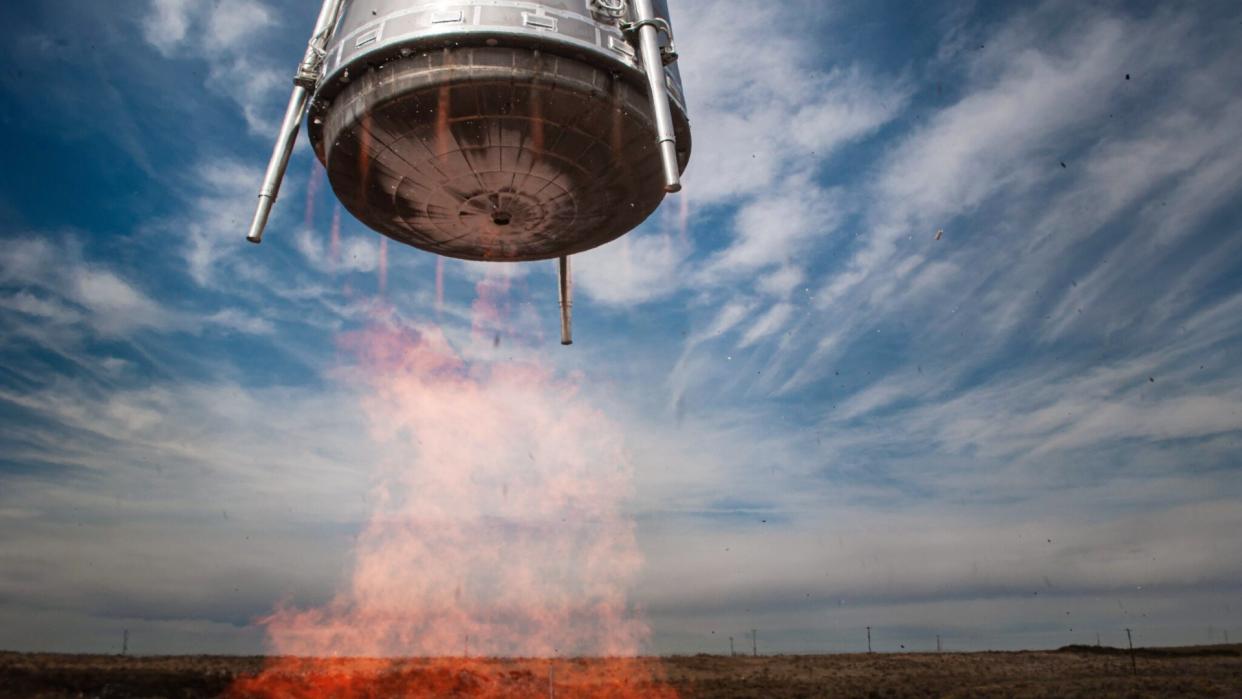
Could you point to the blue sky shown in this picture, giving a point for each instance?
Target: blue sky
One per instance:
(1018, 435)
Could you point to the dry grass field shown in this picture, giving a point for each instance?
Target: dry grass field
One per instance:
(1214, 671)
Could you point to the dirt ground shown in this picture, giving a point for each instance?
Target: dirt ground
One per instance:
(1214, 671)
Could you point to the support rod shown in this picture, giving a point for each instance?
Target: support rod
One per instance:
(567, 301)
(653, 64)
(309, 71)
(279, 162)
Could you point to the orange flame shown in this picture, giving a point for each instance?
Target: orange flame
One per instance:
(499, 553)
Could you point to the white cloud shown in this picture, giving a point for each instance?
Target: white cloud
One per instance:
(760, 105)
(115, 306)
(765, 118)
(967, 374)
(773, 320)
(51, 276)
(228, 36)
(235, 319)
(55, 285)
(166, 23)
(220, 211)
(776, 229)
(48, 310)
(782, 282)
(639, 268)
(356, 254)
(232, 24)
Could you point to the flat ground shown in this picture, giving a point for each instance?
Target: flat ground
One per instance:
(1208, 671)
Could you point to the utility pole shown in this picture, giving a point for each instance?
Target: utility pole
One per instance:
(1097, 639)
(868, 639)
(1133, 662)
(937, 643)
(731, 651)
(125, 642)
(1226, 636)
(754, 643)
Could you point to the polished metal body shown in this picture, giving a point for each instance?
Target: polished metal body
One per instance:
(503, 130)
(497, 129)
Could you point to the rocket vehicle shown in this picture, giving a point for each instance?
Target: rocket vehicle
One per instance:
(497, 130)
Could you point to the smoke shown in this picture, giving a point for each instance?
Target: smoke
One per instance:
(498, 528)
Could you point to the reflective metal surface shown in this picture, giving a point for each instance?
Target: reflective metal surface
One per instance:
(494, 130)
(310, 71)
(372, 32)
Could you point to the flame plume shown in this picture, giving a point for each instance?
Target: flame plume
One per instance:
(498, 533)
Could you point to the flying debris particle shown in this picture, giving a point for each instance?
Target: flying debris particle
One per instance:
(1127, 76)
(496, 340)
(939, 233)
(1151, 379)
(1063, 163)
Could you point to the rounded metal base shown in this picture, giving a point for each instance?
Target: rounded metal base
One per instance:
(493, 153)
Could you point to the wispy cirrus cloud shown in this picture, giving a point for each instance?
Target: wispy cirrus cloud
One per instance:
(836, 418)
(224, 35)
(766, 118)
(52, 286)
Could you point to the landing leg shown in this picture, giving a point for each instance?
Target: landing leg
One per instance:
(304, 81)
(567, 302)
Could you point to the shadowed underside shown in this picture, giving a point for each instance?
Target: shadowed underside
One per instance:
(492, 153)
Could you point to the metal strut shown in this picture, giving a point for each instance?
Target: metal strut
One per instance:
(304, 81)
(649, 26)
(567, 301)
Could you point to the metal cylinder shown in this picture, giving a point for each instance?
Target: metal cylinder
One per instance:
(498, 129)
(270, 189)
(304, 81)
(566, 287)
(653, 66)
